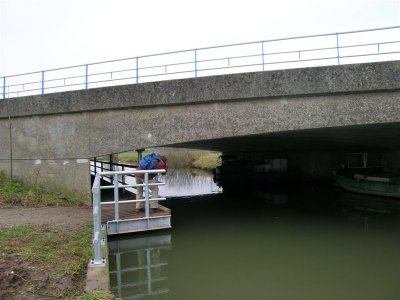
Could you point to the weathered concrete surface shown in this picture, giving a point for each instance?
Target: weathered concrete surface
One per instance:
(206, 113)
(370, 77)
(69, 177)
(99, 277)
(89, 134)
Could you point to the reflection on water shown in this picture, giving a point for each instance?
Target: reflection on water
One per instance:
(310, 243)
(180, 182)
(136, 266)
(187, 182)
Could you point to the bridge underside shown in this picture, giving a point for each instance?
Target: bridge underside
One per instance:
(313, 153)
(362, 138)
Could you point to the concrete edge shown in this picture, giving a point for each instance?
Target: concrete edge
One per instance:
(98, 278)
(351, 78)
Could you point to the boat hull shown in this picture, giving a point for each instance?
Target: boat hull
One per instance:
(387, 189)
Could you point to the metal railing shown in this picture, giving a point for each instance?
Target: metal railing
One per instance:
(304, 51)
(102, 166)
(96, 191)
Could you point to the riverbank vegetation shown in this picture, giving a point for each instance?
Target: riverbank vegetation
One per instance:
(38, 263)
(177, 158)
(43, 261)
(14, 192)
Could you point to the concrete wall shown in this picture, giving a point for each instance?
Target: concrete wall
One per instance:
(63, 176)
(67, 176)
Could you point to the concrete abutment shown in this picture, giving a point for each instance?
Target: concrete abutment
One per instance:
(68, 177)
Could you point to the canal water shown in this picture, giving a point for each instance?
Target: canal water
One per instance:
(306, 242)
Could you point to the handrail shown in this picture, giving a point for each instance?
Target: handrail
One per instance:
(96, 190)
(98, 260)
(207, 61)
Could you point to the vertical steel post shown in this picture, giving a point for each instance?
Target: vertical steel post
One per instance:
(98, 260)
(262, 55)
(116, 198)
(95, 165)
(4, 87)
(119, 277)
(137, 69)
(149, 279)
(123, 178)
(87, 77)
(42, 82)
(195, 63)
(146, 193)
(337, 48)
(139, 155)
(111, 162)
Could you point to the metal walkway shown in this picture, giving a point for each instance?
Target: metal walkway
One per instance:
(114, 204)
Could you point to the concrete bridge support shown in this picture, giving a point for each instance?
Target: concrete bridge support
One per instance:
(67, 176)
(20, 140)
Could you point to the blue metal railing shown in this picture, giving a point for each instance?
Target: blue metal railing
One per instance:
(305, 51)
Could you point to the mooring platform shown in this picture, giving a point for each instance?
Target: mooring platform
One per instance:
(117, 200)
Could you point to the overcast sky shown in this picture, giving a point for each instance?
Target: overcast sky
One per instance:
(41, 34)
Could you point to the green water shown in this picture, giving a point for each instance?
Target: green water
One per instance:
(309, 243)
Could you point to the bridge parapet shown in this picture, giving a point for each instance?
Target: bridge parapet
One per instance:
(330, 80)
(368, 45)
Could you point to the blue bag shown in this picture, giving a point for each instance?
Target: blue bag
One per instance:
(149, 162)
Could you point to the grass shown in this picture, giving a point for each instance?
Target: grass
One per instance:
(62, 254)
(14, 192)
(95, 295)
(71, 250)
(179, 158)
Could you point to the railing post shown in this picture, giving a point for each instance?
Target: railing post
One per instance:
(195, 63)
(95, 165)
(137, 69)
(116, 198)
(97, 260)
(42, 82)
(4, 87)
(139, 155)
(337, 48)
(86, 77)
(123, 179)
(262, 54)
(146, 194)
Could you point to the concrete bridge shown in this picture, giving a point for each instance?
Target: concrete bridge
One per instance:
(312, 116)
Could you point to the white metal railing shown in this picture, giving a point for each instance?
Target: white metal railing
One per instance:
(96, 191)
(103, 166)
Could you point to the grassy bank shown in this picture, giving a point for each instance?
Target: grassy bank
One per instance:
(43, 246)
(178, 158)
(44, 261)
(14, 192)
